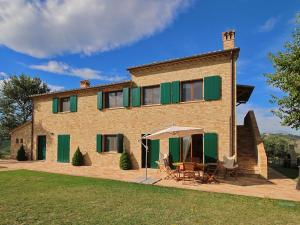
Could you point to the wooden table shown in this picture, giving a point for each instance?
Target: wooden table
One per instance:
(209, 171)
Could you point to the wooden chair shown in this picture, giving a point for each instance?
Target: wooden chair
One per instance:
(189, 173)
(171, 174)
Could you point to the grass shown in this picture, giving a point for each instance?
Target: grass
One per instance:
(292, 173)
(4, 148)
(29, 197)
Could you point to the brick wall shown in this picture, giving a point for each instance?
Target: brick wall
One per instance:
(23, 132)
(84, 124)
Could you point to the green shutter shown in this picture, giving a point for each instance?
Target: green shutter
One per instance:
(126, 100)
(175, 91)
(212, 88)
(63, 148)
(100, 100)
(165, 93)
(73, 103)
(154, 153)
(99, 143)
(120, 143)
(136, 97)
(210, 147)
(174, 149)
(55, 105)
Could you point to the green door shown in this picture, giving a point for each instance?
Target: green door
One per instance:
(154, 153)
(63, 148)
(41, 148)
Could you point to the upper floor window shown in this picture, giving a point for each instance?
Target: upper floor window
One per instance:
(192, 90)
(151, 95)
(114, 99)
(64, 104)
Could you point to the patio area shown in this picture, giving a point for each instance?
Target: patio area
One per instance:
(276, 187)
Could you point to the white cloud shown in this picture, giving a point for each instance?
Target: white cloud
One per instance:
(65, 69)
(267, 122)
(51, 27)
(268, 25)
(55, 87)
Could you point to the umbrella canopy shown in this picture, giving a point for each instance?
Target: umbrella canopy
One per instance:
(174, 131)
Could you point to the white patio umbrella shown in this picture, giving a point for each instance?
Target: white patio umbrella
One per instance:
(174, 131)
(170, 132)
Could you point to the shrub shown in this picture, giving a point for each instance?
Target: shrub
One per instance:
(77, 159)
(125, 163)
(21, 155)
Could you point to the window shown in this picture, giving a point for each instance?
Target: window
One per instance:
(65, 104)
(21, 140)
(111, 143)
(114, 99)
(192, 90)
(17, 141)
(151, 95)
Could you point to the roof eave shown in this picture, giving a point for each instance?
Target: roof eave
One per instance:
(204, 55)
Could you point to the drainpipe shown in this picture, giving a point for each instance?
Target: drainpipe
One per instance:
(32, 126)
(233, 145)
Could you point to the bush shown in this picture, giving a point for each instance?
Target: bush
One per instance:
(77, 159)
(21, 155)
(125, 163)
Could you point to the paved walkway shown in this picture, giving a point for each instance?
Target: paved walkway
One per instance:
(277, 187)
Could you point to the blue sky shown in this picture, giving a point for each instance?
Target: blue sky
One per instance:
(65, 42)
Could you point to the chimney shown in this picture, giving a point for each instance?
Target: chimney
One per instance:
(228, 39)
(84, 83)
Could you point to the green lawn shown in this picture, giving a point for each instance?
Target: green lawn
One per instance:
(292, 173)
(28, 197)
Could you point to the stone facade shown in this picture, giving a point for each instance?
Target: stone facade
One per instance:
(21, 135)
(132, 122)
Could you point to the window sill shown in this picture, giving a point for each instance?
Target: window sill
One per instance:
(150, 105)
(110, 153)
(63, 112)
(194, 101)
(114, 108)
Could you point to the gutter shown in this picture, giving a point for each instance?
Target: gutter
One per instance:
(233, 134)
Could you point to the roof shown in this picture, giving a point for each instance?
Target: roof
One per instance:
(182, 59)
(20, 126)
(243, 93)
(83, 89)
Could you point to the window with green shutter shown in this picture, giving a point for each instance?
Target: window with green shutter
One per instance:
(136, 97)
(210, 147)
(175, 91)
(73, 103)
(174, 149)
(165, 93)
(126, 97)
(100, 100)
(120, 145)
(55, 103)
(99, 143)
(212, 88)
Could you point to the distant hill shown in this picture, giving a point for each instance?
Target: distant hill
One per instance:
(290, 138)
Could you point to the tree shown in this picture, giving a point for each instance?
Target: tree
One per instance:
(275, 145)
(125, 162)
(287, 78)
(21, 154)
(77, 159)
(15, 101)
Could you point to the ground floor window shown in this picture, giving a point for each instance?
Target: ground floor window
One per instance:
(110, 143)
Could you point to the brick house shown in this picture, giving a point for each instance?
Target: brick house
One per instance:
(105, 120)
